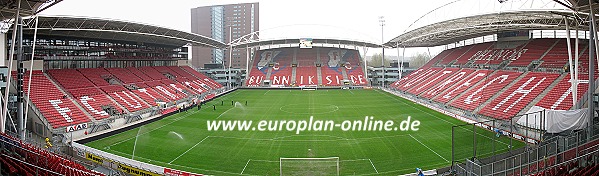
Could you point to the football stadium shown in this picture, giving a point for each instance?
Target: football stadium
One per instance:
(510, 92)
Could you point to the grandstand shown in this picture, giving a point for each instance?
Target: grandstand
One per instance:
(471, 89)
(110, 97)
(318, 66)
(92, 95)
(497, 83)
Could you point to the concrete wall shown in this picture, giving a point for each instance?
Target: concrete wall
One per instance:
(183, 63)
(37, 64)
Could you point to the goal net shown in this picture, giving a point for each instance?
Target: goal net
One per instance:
(309, 166)
(309, 87)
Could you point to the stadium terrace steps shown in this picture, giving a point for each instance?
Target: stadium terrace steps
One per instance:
(485, 92)
(115, 102)
(446, 84)
(485, 89)
(125, 75)
(534, 50)
(268, 75)
(293, 75)
(420, 79)
(557, 57)
(150, 95)
(90, 93)
(560, 97)
(546, 91)
(139, 74)
(464, 86)
(457, 53)
(316, 66)
(415, 77)
(96, 75)
(129, 100)
(23, 158)
(517, 97)
(434, 80)
(70, 78)
(93, 105)
(344, 73)
(319, 69)
(280, 73)
(353, 67)
(319, 75)
(306, 76)
(49, 99)
(182, 72)
(438, 58)
(500, 91)
(152, 73)
(467, 56)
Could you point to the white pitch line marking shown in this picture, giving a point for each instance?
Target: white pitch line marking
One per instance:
(188, 150)
(246, 165)
(428, 147)
(224, 113)
(438, 117)
(373, 166)
(266, 92)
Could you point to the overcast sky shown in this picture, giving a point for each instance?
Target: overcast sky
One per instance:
(339, 19)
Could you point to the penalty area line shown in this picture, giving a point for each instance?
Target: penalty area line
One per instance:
(246, 165)
(188, 150)
(428, 147)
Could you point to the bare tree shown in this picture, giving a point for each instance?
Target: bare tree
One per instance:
(375, 60)
(419, 59)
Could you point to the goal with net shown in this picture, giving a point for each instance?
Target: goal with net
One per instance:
(309, 87)
(309, 166)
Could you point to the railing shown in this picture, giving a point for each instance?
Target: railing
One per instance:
(553, 153)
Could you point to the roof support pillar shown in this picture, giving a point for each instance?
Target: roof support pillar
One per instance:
(591, 90)
(570, 63)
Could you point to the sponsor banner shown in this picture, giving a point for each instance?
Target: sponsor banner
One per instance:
(172, 172)
(135, 171)
(76, 127)
(94, 158)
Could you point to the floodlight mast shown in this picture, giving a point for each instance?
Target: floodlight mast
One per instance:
(230, 57)
(382, 21)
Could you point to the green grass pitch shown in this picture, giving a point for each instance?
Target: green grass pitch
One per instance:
(182, 141)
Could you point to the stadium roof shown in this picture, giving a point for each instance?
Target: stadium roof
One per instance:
(242, 43)
(459, 29)
(109, 29)
(8, 8)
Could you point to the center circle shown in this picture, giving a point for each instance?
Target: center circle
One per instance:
(309, 109)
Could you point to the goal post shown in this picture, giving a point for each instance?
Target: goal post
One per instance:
(309, 87)
(309, 166)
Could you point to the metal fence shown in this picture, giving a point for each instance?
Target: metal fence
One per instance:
(551, 156)
(479, 140)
